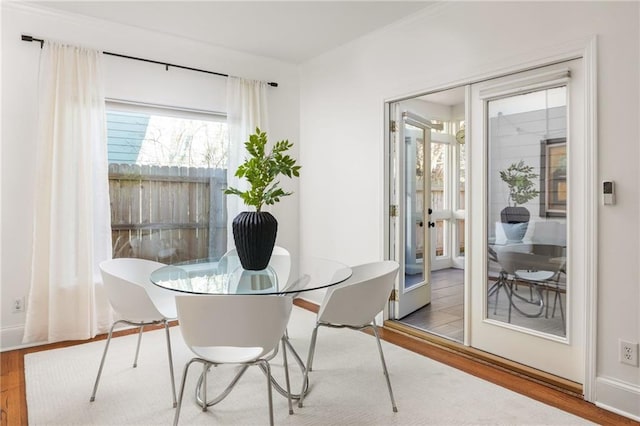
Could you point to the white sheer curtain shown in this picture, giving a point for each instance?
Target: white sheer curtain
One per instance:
(72, 215)
(246, 110)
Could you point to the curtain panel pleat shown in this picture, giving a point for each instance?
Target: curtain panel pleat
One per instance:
(72, 230)
(246, 110)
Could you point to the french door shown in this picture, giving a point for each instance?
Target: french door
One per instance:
(410, 163)
(528, 218)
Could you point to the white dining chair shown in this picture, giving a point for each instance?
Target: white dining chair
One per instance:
(233, 329)
(354, 304)
(137, 302)
(539, 266)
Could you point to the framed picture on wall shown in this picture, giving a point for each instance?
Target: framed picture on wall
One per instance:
(553, 177)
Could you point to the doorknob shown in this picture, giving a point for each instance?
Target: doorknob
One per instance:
(421, 224)
(432, 225)
(429, 211)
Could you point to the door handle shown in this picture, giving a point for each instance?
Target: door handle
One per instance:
(429, 211)
(432, 225)
(421, 224)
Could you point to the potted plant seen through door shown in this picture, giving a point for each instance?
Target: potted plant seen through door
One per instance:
(515, 217)
(254, 232)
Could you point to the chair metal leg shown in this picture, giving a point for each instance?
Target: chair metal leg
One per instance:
(546, 312)
(384, 366)
(104, 355)
(506, 290)
(267, 369)
(501, 283)
(205, 370)
(312, 348)
(559, 297)
(298, 360)
(135, 361)
(286, 374)
(496, 288)
(184, 379)
(173, 381)
(493, 288)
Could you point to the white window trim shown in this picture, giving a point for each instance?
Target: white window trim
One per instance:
(167, 110)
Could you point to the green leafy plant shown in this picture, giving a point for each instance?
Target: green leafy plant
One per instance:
(261, 169)
(518, 178)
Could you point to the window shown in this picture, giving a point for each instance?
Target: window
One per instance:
(167, 171)
(447, 193)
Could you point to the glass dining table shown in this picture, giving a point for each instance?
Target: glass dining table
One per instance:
(285, 275)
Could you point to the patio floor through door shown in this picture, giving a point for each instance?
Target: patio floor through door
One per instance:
(444, 315)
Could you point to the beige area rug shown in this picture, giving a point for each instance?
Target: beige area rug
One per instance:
(347, 387)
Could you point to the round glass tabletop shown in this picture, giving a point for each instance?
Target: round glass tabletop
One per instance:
(283, 275)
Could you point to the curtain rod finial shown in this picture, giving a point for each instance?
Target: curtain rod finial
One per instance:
(31, 38)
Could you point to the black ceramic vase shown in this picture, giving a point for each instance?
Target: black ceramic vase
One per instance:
(254, 234)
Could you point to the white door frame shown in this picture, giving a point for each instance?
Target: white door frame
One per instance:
(585, 48)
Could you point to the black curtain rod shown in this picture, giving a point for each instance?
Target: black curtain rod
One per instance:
(166, 65)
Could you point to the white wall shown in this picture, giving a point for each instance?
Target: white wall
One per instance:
(341, 189)
(125, 79)
(342, 129)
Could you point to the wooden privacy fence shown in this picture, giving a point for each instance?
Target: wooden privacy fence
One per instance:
(168, 214)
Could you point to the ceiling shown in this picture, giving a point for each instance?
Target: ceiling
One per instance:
(290, 31)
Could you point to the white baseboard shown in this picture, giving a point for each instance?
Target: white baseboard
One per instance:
(618, 397)
(11, 338)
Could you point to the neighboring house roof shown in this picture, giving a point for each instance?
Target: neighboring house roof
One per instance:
(126, 132)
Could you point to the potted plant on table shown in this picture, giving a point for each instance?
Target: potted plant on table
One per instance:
(515, 217)
(254, 232)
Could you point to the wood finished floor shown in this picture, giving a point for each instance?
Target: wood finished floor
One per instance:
(13, 403)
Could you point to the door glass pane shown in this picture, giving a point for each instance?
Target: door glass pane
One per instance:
(460, 240)
(462, 155)
(414, 192)
(439, 169)
(527, 207)
(462, 177)
(441, 240)
(439, 199)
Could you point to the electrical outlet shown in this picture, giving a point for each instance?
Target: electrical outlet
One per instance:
(628, 353)
(18, 305)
